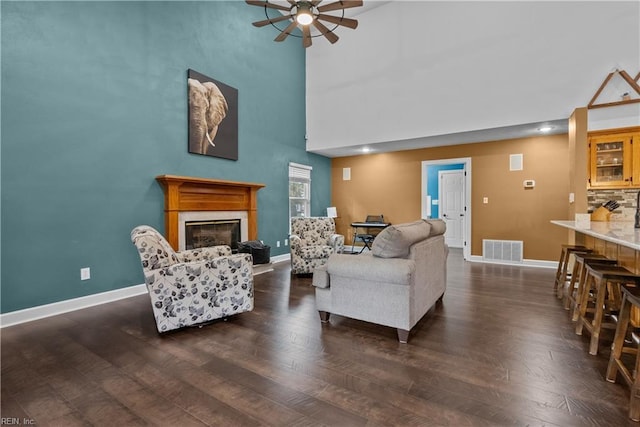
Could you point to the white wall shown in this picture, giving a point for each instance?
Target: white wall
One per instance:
(418, 69)
(619, 116)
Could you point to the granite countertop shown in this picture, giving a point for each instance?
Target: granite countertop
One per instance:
(620, 232)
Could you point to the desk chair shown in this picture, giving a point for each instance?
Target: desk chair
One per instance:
(370, 233)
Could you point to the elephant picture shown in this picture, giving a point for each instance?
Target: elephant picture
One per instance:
(213, 117)
(208, 108)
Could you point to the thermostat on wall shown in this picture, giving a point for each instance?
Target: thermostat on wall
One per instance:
(529, 183)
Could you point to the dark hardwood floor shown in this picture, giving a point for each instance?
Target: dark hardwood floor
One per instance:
(499, 351)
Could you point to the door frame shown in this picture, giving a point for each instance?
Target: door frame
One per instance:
(440, 208)
(466, 161)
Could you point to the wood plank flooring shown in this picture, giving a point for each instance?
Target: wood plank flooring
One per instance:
(499, 351)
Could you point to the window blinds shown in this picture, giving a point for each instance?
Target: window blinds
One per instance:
(299, 171)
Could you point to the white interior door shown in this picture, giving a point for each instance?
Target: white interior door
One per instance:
(452, 195)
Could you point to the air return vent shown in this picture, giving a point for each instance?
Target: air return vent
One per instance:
(502, 250)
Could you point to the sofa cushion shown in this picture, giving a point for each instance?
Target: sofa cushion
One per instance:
(438, 226)
(316, 251)
(395, 240)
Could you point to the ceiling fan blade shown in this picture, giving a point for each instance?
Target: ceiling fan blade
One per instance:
(306, 36)
(283, 35)
(339, 5)
(293, 2)
(267, 4)
(271, 21)
(325, 31)
(345, 22)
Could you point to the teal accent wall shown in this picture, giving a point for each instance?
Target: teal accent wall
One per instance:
(94, 107)
(432, 183)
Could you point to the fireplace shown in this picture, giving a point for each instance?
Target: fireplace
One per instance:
(204, 199)
(211, 228)
(202, 234)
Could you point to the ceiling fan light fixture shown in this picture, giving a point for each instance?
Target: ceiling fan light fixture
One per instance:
(305, 18)
(304, 15)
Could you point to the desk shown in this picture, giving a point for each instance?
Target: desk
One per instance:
(356, 225)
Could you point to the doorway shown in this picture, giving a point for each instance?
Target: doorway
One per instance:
(446, 194)
(451, 194)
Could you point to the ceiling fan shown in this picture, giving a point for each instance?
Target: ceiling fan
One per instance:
(305, 15)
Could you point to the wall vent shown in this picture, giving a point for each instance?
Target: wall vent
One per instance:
(502, 250)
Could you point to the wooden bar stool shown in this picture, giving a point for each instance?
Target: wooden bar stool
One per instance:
(562, 275)
(574, 289)
(629, 316)
(603, 281)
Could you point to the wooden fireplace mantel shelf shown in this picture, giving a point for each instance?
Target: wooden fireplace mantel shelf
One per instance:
(189, 194)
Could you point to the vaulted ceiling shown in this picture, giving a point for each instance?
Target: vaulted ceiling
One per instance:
(418, 74)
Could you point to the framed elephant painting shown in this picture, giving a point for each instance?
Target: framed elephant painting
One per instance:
(213, 117)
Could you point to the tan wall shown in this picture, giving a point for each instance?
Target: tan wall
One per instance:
(390, 183)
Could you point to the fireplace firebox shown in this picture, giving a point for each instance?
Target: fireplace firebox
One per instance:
(199, 234)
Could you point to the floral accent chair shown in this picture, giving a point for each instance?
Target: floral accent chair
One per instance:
(312, 240)
(193, 286)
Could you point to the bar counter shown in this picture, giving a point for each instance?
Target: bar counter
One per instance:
(618, 240)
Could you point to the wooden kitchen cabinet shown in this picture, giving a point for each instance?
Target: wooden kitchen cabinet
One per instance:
(614, 158)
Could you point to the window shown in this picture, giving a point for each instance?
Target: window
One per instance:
(299, 190)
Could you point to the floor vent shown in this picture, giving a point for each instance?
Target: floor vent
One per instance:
(502, 250)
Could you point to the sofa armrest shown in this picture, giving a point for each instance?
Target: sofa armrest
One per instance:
(370, 269)
(336, 241)
(294, 241)
(201, 254)
(320, 277)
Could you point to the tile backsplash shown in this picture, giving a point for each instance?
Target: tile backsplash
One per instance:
(625, 197)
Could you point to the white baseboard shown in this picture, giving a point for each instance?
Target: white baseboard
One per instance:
(281, 258)
(53, 309)
(525, 263)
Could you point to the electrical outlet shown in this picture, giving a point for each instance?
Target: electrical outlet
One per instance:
(85, 273)
(485, 200)
(278, 244)
(286, 242)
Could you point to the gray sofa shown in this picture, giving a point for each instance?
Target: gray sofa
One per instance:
(393, 285)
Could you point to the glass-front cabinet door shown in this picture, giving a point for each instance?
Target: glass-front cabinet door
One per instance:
(611, 161)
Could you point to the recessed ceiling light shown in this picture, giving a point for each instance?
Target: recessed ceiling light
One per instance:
(366, 149)
(545, 129)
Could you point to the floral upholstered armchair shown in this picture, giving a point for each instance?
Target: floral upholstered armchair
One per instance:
(312, 240)
(193, 286)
